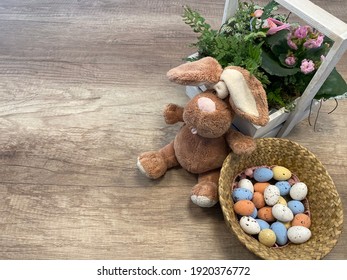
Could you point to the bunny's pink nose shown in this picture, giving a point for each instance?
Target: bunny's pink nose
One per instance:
(205, 104)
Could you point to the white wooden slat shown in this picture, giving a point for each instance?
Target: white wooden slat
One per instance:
(317, 17)
(318, 79)
(331, 27)
(230, 8)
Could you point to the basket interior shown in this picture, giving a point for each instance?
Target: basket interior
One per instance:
(325, 204)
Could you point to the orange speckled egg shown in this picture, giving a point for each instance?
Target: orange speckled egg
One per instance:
(258, 200)
(244, 207)
(301, 220)
(260, 187)
(265, 214)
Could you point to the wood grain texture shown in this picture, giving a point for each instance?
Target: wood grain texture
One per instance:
(82, 88)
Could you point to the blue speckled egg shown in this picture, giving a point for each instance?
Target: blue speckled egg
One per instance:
(283, 186)
(263, 224)
(255, 213)
(296, 206)
(263, 174)
(242, 194)
(281, 233)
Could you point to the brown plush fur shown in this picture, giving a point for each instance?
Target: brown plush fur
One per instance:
(206, 137)
(201, 153)
(260, 98)
(207, 70)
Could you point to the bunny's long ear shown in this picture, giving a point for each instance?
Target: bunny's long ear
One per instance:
(203, 71)
(247, 95)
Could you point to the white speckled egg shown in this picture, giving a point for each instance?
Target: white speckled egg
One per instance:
(249, 225)
(271, 195)
(282, 213)
(299, 234)
(246, 184)
(298, 191)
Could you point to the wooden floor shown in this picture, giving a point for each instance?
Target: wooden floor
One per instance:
(82, 87)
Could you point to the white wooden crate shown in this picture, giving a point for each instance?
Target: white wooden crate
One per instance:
(281, 122)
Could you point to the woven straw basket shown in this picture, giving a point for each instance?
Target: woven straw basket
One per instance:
(324, 201)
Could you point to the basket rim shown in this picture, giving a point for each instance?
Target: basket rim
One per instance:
(229, 216)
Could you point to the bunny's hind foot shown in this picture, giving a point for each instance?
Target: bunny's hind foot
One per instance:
(205, 193)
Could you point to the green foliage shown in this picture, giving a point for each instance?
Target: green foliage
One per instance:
(274, 98)
(269, 8)
(334, 85)
(195, 20)
(272, 67)
(233, 44)
(243, 41)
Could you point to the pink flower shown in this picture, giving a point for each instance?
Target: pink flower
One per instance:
(275, 25)
(290, 43)
(307, 66)
(290, 60)
(314, 43)
(301, 32)
(258, 13)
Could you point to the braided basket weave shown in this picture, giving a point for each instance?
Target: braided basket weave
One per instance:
(325, 204)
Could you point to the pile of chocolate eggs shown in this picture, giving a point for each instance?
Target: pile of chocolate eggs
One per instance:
(271, 205)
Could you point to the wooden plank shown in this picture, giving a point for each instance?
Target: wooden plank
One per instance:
(82, 88)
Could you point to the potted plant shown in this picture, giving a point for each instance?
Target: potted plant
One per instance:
(284, 56)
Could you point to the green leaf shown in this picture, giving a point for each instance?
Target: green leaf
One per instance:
(277, 37)
(268, 9)
(278, 42)
(333, 86)
(273, 67)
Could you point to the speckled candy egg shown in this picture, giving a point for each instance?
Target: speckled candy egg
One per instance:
(281, 173)
(244, 207)
(282, 201)
(296, 206)
(284, 187)
(258, 200)
(260, 187)
(299, 234)
(249, 172)
(281, 233)
(262, 174)
(301, 220)
(255, 213)
(287, 224)
(263, 224)
(242, 194)
(282, 213)
(246, 184)
(298, 191)
(265, 214)
(267, 237)
(271, 195)
(249, 225)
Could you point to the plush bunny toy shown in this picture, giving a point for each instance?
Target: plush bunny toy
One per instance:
(206, 137)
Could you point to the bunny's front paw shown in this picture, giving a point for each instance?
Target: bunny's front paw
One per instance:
(173, 113)
(205, 194)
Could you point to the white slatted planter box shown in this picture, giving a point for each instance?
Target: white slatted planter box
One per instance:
(282, 122)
